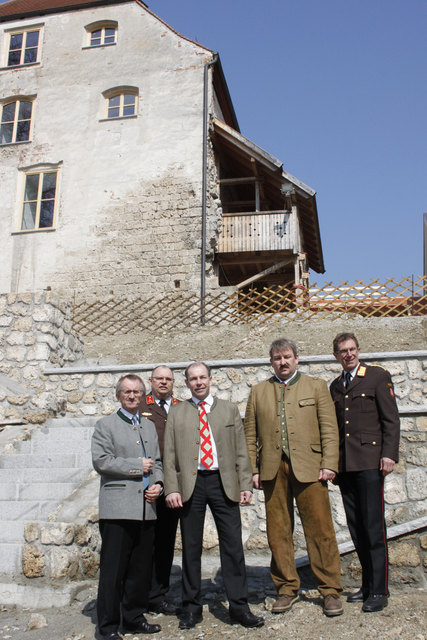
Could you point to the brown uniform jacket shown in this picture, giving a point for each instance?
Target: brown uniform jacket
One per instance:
(149, 409)
(311, 424)
(182, 443)
(368, 419)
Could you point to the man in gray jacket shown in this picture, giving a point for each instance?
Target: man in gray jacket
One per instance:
(125, 452)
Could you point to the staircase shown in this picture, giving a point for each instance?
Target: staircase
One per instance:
(37, 477)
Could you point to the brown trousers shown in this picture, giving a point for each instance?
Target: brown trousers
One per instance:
(312, 501)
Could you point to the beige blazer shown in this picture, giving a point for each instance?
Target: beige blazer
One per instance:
(311, 424)
(181, 450)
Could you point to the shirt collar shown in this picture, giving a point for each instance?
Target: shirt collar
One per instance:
(128, 414)
(352, 372)
(287, 379)
(209, 400)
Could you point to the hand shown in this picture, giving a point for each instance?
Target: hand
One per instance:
(245, 497)
(147, 464)
(174, 500)
(386, 466)
(153, 492)
(326, 474)
(256, 481)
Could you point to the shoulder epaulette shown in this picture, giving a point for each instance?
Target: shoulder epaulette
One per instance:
(149, 399)
(379, 366)
(361, 372)
(174, 401)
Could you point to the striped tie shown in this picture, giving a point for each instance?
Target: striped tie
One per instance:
(206, 458)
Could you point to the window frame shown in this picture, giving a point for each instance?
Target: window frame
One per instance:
(16, 119)
(121, 93)
(38, 171)
(23, 49)
(101, 26)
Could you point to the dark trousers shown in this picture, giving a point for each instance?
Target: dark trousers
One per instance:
(209, 491)
(164, 547)
(363, 497)
(124, 573)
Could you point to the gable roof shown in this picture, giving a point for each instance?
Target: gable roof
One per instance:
(27, 8)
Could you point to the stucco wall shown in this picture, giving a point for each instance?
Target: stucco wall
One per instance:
(130, 189)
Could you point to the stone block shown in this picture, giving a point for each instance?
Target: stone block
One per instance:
(18, 400)
(82, 533)
(31, 531)
(15, 338)
(106, 380)
(394, 489)
(39, 351)
(416, 483)
(58, 534)
(64, 563)
(33, 561)
(90, 563)
(36, 417)
(16, 353)
(235, 376)
(23, 324)
(74, 397)
(404, 554)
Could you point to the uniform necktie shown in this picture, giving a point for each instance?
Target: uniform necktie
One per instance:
(146, 479)
(206, 458)
(162, 404)
(347, 378)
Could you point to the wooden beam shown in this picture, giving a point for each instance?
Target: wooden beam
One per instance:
(259, 275)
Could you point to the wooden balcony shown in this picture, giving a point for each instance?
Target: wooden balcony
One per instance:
(257, 231)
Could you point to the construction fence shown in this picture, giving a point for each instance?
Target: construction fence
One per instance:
(253, 305)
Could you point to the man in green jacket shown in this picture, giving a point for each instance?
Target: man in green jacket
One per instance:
(292, 437)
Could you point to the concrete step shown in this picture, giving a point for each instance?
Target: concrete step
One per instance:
(49, 447)
(26, 461)
(11, 557)
(27, 510)
(12, 531)
(32, 475)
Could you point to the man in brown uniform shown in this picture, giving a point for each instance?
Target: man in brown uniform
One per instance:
(155, 407)
(292, 438)
(368, 421)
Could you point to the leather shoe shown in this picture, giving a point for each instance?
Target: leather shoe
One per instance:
(165, 607)
(332, 605)
(247, 619)
(143, 627)
(357, 596)
(189, 620)
(375, 602)
(283, 603)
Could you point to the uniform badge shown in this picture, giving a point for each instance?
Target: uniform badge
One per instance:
(146, 413)
(361, 372)
(174, 401)
(149, 399)
(391, 391)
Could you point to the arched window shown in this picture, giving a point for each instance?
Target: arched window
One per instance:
(15, 121)
(101, 33)
(121, 102)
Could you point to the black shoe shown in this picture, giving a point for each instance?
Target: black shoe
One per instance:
(357, 596)
(189, 620)
(165, 607)
(375, 602)
(143, 627)
(247, 619)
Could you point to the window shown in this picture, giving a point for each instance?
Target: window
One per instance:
(16, 121)
(122, 105)
(38, 207)
(23, 47)
(104, 35)
(101, 33)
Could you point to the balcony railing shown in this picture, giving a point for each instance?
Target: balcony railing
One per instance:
(257, 231)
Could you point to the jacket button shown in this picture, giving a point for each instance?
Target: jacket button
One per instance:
(194, 473)
(139, 491)
(345, 396)
(347, 435)
(135, 429)
(347, 421)
(195, 457)
(138, 442)
(374, 442)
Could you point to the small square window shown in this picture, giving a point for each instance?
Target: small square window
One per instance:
(103, 35)
(122, 105)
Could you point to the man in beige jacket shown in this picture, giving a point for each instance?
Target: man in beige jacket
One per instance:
(292, 437)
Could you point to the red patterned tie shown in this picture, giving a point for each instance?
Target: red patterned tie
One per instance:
(206, 458)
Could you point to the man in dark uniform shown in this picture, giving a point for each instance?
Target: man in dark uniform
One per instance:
(368, 421)
(155, 406)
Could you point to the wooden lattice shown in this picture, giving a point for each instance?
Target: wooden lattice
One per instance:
(255, 305)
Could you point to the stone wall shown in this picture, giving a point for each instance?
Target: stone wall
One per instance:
(35, 330)
(91, 393)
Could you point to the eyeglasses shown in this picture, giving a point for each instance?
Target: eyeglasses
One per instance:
(343, 352)
(128, 393)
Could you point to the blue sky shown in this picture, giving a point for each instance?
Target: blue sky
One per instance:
(335, 89)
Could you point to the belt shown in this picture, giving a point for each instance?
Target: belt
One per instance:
(207, 472)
